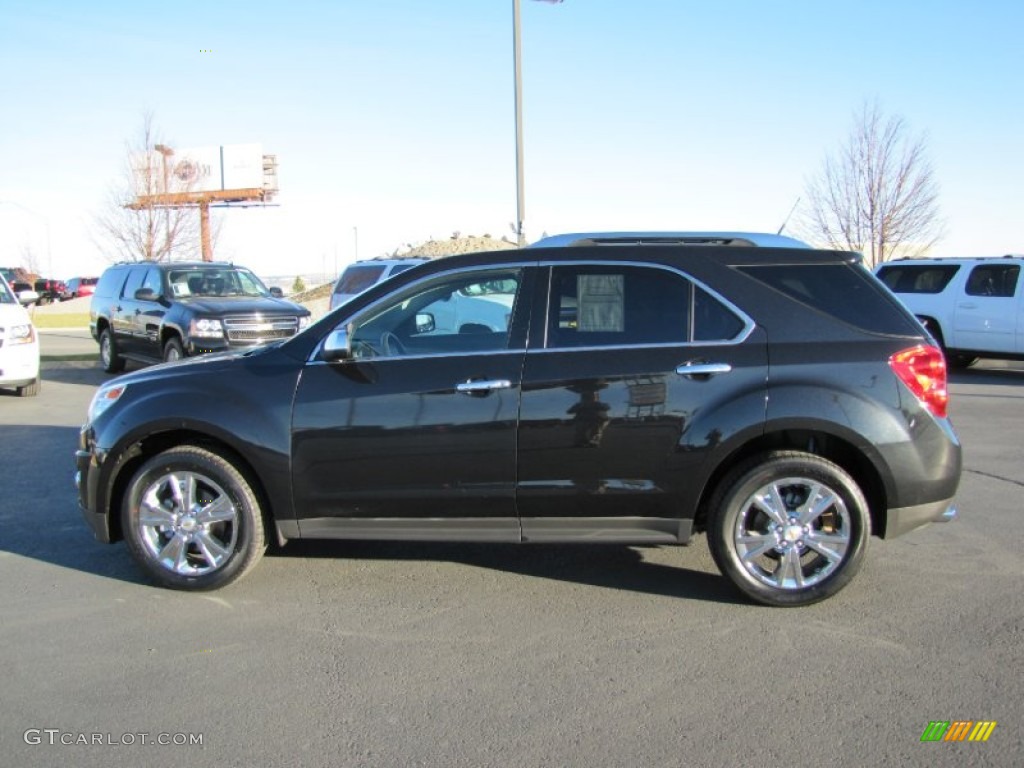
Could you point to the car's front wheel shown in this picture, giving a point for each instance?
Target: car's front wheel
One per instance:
(788, 528)
(192, 520)
(173, 350)
(32, 389)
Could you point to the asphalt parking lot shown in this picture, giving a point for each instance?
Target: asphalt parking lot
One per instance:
(386, 654)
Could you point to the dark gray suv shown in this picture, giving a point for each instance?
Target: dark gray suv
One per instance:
(778, 399)
(152, 312)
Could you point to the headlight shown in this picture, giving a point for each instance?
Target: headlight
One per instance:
(21, 334)
(104, 398)
(304, 322)
(206, 329)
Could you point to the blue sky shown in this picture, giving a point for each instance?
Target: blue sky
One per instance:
(394, 119)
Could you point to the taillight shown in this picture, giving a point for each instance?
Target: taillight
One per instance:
(923, 370)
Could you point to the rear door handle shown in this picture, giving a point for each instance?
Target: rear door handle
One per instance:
(478, 386)
(697, 368)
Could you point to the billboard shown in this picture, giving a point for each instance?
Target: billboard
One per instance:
(164, 170)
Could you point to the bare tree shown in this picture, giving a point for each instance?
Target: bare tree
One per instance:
(29, 260)
(132, 225)
(877, 194)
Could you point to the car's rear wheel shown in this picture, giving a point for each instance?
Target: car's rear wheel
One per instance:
(109, 357)
(955, 360)
(788, 528)
(192, 520)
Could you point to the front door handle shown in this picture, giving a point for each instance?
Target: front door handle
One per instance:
(479, 386)
(700, 368)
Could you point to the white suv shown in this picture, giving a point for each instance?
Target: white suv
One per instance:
(360, 275)
(19, 342)
(973, 307)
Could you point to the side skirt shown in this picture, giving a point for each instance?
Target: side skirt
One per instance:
(611, 530)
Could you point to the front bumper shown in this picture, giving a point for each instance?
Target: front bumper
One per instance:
(87, 474)
(19, 364)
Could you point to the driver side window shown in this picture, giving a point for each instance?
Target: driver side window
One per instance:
(464, 313)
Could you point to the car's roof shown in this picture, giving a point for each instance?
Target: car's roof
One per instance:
(761, 239)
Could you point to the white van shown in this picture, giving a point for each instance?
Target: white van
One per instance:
(360, 275)
(974, 307)
(19, 342)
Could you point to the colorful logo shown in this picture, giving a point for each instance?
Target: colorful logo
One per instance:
(958, 730)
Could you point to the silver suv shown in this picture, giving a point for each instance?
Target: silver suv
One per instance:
(360, 275)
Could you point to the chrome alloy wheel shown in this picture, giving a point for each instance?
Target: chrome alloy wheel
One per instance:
(106, 350)
(792, 533)
(187, 523)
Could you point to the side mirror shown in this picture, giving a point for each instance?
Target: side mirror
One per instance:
(338, 345)
(146, 294)
(276, 292)
(425, 322)
(27, 297)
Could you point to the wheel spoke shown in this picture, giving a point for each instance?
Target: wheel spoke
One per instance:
(221, 510)
(829, 545)
(153, 514)
(752, 546)
(819, 501)
(771, 504)
(175, 554)
(790, 573)
(211, 549)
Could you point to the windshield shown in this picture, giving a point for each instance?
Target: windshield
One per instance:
(6, 294)
(222, 281)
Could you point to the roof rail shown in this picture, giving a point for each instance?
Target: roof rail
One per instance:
(761, 239)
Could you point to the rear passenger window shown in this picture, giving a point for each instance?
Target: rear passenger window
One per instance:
(612, 305)
(606, 305)
(993, 280)
(917, 278)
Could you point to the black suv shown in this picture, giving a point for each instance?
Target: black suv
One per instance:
(779, 399)
(152, 312)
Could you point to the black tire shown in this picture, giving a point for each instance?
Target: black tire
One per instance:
(202, 526)
(31, 390)
(954, 360)
(173, 350)
(776, 551)
(111, 361)
(958, 361)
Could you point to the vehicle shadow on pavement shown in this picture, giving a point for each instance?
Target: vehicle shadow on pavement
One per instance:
(39, 516)
(989, 373)
(612, 566)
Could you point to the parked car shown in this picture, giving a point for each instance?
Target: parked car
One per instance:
(50, 290)
(77, 287)
(152, 312)
(778, 399)
(19, 343)
(360, 275)
(973, 308)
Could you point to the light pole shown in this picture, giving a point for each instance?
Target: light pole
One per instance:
(518, 61)
(517, 55)
(46, 224)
